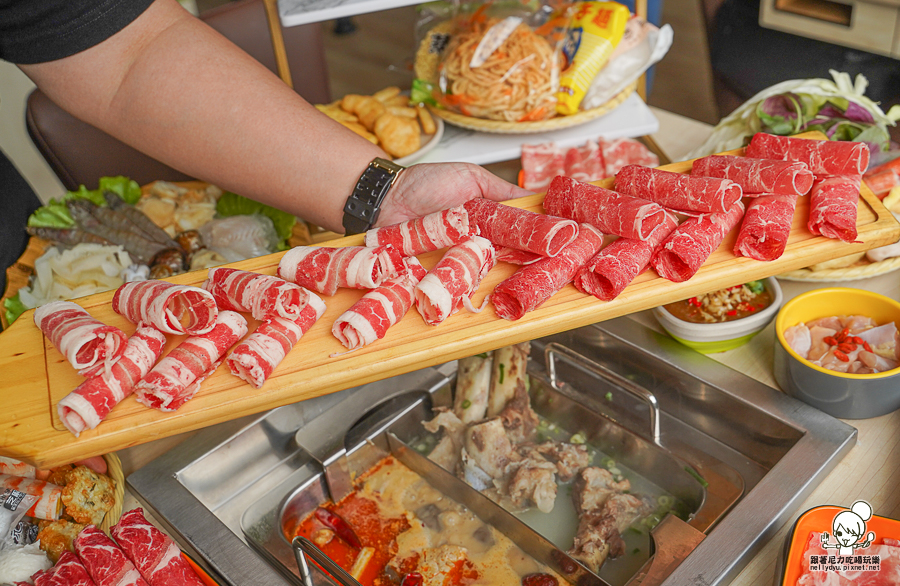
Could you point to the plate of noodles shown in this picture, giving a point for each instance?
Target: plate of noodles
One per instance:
(510, 91)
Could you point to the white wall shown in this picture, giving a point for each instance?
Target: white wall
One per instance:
(14, 140)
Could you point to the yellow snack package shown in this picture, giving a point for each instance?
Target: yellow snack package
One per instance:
(596, 29)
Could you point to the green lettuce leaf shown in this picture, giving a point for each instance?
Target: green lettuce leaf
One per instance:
(14, 308)
(95, 195)
(53, 215)
(232, 204)
(126, 188)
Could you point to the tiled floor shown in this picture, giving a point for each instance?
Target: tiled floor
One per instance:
(380, 54)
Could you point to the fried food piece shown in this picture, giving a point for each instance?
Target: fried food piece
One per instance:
(87, 495)
(368, 110)
(387, 93)
(404, 111)
(426, 120)
(59, 476)
(360, 130)
(350, 101)
(399, 136)
(398, 100)
(336, 113)
(57, 536)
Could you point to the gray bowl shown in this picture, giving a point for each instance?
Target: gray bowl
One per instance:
(847, 396)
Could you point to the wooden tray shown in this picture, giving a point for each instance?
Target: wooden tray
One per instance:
(36, 376)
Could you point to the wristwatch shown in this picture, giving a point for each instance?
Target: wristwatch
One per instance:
(363, 205)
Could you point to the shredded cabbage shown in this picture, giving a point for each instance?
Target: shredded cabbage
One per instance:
(839, 108)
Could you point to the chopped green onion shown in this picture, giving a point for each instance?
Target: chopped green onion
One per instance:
(608, 462)
(608, 395)
(755, 286)
(665, 500)
(578, 438)
(466, 404)
(482, 355)
(502, 368)
(615, 471)
(636, 550)
(696, 475)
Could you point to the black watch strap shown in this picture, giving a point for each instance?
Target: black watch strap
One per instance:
(363, 205)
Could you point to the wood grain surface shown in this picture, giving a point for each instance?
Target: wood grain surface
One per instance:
(37, 375)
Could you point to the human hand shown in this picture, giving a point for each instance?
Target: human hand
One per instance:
(431, 187)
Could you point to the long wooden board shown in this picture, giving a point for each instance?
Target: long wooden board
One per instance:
(35, 375)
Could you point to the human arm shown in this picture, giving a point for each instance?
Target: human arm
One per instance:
(177, 90)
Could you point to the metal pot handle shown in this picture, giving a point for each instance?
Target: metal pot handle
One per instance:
(554, 351)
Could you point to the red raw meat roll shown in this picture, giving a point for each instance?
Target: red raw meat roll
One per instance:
(766, 227)
(516, 257)
(255, 358)
(369, 318)
(682, 253)
(540, 164)
(177, 377)
(69, 571)
(606, 210)
(607, 274)
(163, 305)
(105, 562)
(152, 552)
(833, 206)
(823, 157)
(767, 176)
(531, 286)
(585, 163)
(431, 232)
(454, 279)
(619, 152)
(90, 403)
(520, 229)
(87, 343)
(48, 505)
(678, 192)
(325, 269)
(261, 296)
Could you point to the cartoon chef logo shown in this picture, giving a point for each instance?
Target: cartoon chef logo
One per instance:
(849, 529)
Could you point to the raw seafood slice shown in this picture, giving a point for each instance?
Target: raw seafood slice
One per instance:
(87, 343)
(325, 269)
(520, 229)
(833, 206)
(454, 279)
(152, 552)
(163, 305)
(677, 191)
(90, 403)
(607, 274)
(823, 157)
(688, 246)
(431, 232)
(104, 560)
(262, 296)
(531, 286)
(540, 164)
(757, 175)
(255, 358)
(49, 495)
(608, 211)
(177, 377)
(766, 227)
(370, 317)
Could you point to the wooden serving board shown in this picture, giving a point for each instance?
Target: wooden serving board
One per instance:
(36, 376)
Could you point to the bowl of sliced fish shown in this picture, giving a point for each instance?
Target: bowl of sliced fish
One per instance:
(839, 350)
